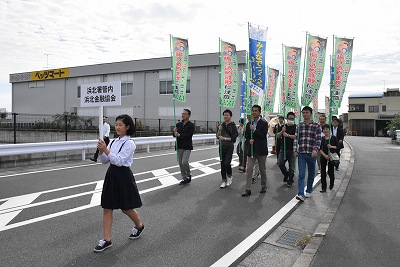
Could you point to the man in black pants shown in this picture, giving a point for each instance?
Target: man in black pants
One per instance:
(277, 129)
(287, 136)
(338, 132)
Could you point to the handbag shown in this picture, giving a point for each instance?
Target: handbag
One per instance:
(334, 158)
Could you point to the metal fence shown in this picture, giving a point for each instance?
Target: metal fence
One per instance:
(32, 128)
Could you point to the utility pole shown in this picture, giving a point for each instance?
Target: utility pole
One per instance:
(47, 61)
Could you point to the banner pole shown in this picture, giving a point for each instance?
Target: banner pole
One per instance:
(101, 122)
(304, 66)
(173, 93)
(251, 98)
(220, 100)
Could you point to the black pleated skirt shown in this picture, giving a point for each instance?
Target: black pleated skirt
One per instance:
(120, 190)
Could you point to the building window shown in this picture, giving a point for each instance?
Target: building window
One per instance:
(79, 91)
(127, 89)
(357, 108)
(384, 108)
(37, 84)
(373, 109)
(166, 87)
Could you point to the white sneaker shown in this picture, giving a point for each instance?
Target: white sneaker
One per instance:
(229, 181)
(319, 171)
(300, 197)
(307, 195)
(223, 185)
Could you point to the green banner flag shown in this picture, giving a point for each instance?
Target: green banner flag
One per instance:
(229, 74)
(292, 59)
(343, 51)
(271, 89)
(180, 67)
(314, 68)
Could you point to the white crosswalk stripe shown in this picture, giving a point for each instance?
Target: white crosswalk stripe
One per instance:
(14, 205)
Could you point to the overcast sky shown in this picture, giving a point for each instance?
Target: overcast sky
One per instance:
(39, 34)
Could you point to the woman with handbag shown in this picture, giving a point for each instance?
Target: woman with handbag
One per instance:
(328, 145)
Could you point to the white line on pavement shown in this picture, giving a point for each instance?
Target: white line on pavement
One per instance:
(91, 164)
(249, 242)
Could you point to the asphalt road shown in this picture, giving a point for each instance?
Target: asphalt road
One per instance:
(52, 217)
(366, 228)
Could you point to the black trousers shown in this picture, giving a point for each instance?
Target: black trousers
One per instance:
(107, 141)
(331, 173)
(226, 159)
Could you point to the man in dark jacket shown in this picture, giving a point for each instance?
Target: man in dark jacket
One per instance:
(338, 132)
(256, 133)
(183, 132)
(226, 134)
(278, 128)
(287, 134)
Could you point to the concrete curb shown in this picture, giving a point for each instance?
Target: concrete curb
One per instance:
(307, 256)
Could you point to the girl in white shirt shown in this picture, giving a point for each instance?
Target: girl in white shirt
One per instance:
(119, 188)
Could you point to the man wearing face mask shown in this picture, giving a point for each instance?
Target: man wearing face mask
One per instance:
(287, 136)
(277, 129)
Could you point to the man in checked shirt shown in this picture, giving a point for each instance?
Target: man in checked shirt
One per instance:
(309, 141)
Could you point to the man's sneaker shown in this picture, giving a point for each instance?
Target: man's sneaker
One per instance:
(229, 181)
(136, 232)
(319, 171)
(307, 195)
(103, 244)
(289, 185)
(93, 159)
(223, 185)
(300, 197)
(184, 180)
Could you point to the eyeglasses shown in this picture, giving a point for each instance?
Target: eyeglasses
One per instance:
(185, 114)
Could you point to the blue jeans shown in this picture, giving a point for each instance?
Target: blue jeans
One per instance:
(306, 159)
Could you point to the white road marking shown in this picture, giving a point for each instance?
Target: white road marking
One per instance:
(96, 198)
(9, 211)
(18, 202)
(167, 178)
(249, 242)
(91, 164)
(203, 168)
(14, 205)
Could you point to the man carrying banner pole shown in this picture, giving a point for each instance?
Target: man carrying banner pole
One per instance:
(227, 130)
(183, 130)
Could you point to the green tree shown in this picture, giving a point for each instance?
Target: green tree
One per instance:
(394, 124)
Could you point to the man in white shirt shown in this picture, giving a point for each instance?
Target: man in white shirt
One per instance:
(106, 134)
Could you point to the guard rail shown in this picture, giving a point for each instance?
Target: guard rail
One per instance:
(83, 145)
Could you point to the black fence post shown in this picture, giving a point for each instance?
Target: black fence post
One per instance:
(159, 127)
(15, 127)
(135, 127)
(207, 127)
(66, 126)
(194, 122)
